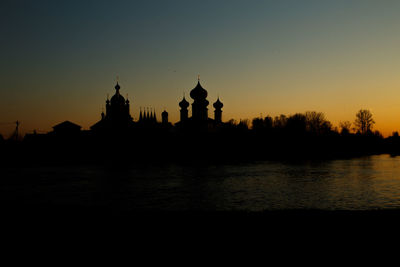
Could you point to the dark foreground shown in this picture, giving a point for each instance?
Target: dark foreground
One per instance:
(229, 228)
(233, 200)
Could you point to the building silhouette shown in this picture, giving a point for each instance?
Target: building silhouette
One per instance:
(199, 110)
(117, 116)
(218, 111)
(66, 128)
(147, 118)
(200, 103)
(164, 116)
(184, 110)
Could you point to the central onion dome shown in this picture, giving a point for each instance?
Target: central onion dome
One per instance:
(117, 99)
(184, 104)
(218, 104)
(198, 92)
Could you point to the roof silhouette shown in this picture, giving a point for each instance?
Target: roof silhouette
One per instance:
(66, 125)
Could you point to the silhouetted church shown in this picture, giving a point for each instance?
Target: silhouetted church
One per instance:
(199, 109)
(117, 115)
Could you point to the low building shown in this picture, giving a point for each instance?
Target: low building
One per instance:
(66, 128)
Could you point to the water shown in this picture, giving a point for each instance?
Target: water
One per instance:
(371, 182)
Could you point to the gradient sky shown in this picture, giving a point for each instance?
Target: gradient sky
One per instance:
(59, 59)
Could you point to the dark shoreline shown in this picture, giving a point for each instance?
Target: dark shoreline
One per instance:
(147, 223)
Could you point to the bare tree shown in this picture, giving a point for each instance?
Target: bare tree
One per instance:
(345, 127)
(244, 124)
(317, 123)
(280, 121)
(364, 121)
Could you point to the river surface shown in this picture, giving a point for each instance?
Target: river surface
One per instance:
(371, 182)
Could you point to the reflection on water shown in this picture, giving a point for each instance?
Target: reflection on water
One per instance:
(361, 183)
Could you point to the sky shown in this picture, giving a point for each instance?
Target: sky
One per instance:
(60, 59)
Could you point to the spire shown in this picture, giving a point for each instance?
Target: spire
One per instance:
(117, 87)
(140, 116)
(155, 117)
(164, 117)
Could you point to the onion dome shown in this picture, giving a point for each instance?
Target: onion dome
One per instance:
(184, 104)
(198, 92)
(218, 104)
(117, 99)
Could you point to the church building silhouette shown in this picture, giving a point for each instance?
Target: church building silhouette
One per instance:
(199, 110)
(118, 117)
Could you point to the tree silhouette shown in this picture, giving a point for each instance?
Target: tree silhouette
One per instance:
(257, 123)
(345, 127)
(262, 124)
(243, 124)
(316, 122)
(297, 124)
(364, 121)
(280, 121)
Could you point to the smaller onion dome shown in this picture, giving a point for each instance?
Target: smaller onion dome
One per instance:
(117, 99)
(218, 104)
(184, 104)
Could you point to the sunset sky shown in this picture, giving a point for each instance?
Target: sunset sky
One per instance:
(60, 59)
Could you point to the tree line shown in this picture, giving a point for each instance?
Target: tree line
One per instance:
(311, 123)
